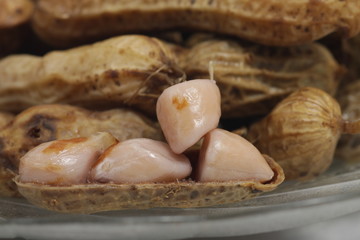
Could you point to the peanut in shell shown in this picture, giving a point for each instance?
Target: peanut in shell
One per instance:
(301, 133)
(254, 78)
(129, 70)
(271, 22)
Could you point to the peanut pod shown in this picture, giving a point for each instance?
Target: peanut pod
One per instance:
(272, 22)
(254, 78)
(301, 133)
(123, 71)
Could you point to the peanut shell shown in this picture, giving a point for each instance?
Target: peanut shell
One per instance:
(128, 70)
(301, 133)
(254, 78)
(90, 198)
(271, 22)
(5, 119)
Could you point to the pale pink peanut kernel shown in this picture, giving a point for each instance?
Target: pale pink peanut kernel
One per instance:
(187, 111)
(63, 162)
(225, 156)
(140, 160)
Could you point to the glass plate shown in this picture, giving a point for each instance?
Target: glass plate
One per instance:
(293, 204)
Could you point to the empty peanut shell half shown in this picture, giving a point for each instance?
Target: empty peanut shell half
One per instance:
(272, 22)
(90, 198)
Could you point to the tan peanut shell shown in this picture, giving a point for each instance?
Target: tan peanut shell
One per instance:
(272, 22)
(14, 19)
(45, 123)
(92, 197)
(5, 119)
(301, 133)
(254, 78)
(128, 70)
(8, 187)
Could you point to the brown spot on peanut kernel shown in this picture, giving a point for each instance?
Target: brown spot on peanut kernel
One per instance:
(60, 145)
(105, 154)
(180, 103)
